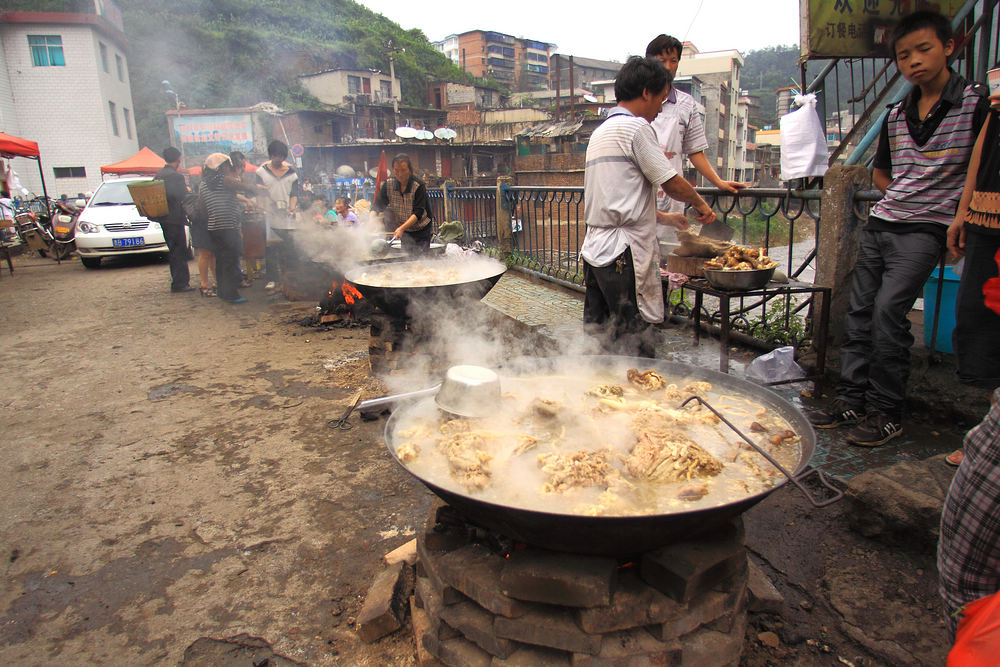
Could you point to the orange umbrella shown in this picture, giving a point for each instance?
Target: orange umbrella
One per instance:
(382, 175)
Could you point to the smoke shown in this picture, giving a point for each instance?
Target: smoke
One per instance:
(341, 248)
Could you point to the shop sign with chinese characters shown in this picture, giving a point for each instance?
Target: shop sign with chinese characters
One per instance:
(857, 28)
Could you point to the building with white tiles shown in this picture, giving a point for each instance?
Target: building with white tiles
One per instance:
(64, 83)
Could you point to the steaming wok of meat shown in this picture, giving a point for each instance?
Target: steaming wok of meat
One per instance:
(596, 454)
(394, 286)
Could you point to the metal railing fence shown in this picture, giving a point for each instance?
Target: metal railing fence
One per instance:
(547, 230)
(548, 227)
(476, 208)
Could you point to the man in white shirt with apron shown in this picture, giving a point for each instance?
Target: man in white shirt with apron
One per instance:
(625, 167)
(681, 132)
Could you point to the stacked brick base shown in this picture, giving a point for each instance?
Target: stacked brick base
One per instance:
(478, 606)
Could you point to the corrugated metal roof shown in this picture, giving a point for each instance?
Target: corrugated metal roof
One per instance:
(561, 129)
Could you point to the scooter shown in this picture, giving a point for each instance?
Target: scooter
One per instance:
(34, 225)
(63, 218)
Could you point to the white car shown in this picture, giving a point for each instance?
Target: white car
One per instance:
(111, 226)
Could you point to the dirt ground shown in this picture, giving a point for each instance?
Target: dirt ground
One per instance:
(169, 476)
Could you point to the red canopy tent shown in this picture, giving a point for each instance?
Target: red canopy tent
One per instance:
(144, 162)
(11, 146)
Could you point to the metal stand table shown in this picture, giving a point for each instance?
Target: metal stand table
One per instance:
(701, 287)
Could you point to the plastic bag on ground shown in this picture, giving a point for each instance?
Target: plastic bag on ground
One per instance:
(775, 366)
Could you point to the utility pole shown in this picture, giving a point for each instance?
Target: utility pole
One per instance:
(168, 90)
(391, 47)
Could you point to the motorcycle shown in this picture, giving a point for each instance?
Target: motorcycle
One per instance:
(47, 228)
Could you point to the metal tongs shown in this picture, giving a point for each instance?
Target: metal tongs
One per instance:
(797, 481)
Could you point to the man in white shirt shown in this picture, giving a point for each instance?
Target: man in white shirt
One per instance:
(681, 132)
(625, 167)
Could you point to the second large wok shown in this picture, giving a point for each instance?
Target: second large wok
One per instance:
(622, 535)
(395, 300)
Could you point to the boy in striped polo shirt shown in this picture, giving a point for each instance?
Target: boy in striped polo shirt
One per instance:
(923, 153)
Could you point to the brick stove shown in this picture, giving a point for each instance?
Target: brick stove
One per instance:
(483, 601)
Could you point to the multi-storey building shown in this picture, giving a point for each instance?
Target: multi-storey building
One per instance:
(64, 83)
(517, 63)
(585, 70)
(719, 73)
(783, 100)
(335, 86)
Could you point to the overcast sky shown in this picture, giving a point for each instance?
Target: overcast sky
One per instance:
(606, 30)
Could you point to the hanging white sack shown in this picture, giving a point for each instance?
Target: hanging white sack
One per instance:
(803, 142)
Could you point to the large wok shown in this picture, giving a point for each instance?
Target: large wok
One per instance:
(630, 534)
(396, 300)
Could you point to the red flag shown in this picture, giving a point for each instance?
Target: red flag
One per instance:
(383, 174)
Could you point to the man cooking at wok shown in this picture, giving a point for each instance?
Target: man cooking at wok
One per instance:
(403, 197)
(625, 168)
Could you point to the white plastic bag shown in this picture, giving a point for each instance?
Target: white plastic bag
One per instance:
(803, 141)
(778, 364)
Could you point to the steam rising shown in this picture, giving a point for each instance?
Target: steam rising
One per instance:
(454, 326)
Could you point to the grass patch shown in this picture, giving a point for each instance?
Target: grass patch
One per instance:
(774, 231)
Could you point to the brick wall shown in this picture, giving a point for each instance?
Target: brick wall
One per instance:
(464, 117)
(550, 169)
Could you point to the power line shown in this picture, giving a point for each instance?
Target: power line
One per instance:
(693, 19)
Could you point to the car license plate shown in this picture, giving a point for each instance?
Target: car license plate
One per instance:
(129, 242)
(62, 230)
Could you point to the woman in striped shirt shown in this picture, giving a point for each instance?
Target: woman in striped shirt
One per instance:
(219, 196)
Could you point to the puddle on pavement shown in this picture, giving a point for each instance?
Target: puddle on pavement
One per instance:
(163, 391)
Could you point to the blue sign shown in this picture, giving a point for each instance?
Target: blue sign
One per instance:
(203, 135)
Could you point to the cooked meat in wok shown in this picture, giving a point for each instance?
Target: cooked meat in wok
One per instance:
(600, 442)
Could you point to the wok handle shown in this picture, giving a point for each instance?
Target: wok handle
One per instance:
(809, 472)
(373, 404)
(796, 480)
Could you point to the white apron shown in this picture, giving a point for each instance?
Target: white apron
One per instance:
(646, 257)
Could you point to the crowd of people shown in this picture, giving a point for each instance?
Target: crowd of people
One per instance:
(938, 167)
(240, 217)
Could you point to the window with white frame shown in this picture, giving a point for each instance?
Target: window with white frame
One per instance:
(104, 56)
(46, 50)
(128, 122)
(120, 66)
(353, 85)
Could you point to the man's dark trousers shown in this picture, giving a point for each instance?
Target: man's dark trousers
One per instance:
(875, 357)
(611, 311)
(177, 254)
(975, 341)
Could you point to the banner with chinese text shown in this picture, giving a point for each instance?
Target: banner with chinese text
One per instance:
(857, 28)
(202, 135)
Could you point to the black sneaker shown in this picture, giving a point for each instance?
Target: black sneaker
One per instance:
(840, 413)
(875, 428)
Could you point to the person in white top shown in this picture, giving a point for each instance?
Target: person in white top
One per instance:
(680, 131)
(624, 169)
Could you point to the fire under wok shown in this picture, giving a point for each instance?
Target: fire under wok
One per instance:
(394, 286)
(538, 516)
